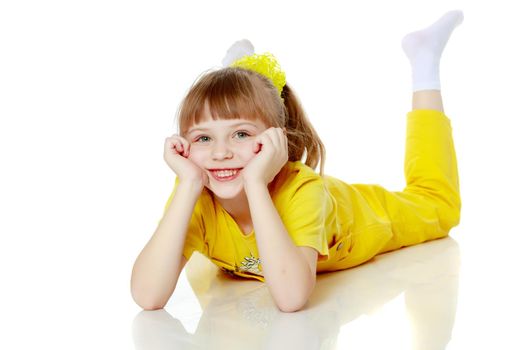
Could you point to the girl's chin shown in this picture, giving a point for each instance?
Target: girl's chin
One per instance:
(225, 192)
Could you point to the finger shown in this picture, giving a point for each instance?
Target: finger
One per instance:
(186, 148)
(180, 147)
(176, 145)
(182, 143)
(170, 146)
(285, 148)
(167, 144)
(170, 141)
(273, 135)
(277, 137)
(282, 151)
(282, 139)
(259, 143)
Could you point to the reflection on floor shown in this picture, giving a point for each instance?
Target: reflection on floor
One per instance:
(399, 300)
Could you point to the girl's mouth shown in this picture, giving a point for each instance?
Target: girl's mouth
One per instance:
(225, 175)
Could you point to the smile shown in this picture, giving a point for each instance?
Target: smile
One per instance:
(225, 175)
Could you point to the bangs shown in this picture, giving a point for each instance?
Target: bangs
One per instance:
(229, 93)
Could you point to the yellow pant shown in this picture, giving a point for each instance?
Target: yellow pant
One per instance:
(426, 209)
(432, 184)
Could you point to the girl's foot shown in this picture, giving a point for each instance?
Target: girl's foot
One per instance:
(424, 48)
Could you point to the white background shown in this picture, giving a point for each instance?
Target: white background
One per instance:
(89, 90)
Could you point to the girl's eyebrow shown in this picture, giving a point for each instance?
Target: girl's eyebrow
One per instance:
(231, 126)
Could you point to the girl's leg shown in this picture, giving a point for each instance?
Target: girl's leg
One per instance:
(427, 99)
(429, 206)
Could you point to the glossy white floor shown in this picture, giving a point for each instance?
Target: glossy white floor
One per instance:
(436, 295)
(409, 296)
(455, 293)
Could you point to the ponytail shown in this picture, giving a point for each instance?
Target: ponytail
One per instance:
(301, 134)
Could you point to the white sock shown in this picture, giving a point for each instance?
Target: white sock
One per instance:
(424, 47)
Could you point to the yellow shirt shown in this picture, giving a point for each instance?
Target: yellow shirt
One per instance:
(346, 224)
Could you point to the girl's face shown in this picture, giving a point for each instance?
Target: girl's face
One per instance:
(223, 144)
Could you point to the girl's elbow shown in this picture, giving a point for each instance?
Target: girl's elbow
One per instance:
(297, 300)
(151, 306)
(147, 303)
(291, 307)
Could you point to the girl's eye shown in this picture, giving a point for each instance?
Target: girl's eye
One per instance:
(200, 137)
(243, 133)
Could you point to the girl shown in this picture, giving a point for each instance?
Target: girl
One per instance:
(244, 199)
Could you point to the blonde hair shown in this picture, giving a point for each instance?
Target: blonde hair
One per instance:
(234, 93)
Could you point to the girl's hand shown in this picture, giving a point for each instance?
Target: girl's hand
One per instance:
(271, 147)
(176, 153)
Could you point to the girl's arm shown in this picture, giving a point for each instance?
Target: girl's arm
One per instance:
(158, 266)
(289, 271)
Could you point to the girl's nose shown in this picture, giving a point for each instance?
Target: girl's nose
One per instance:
(222, 151)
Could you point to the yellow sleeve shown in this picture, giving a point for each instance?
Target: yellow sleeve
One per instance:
(195, 234)
(304, 216)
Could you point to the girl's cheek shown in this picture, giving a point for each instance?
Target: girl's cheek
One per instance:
(194, 154)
